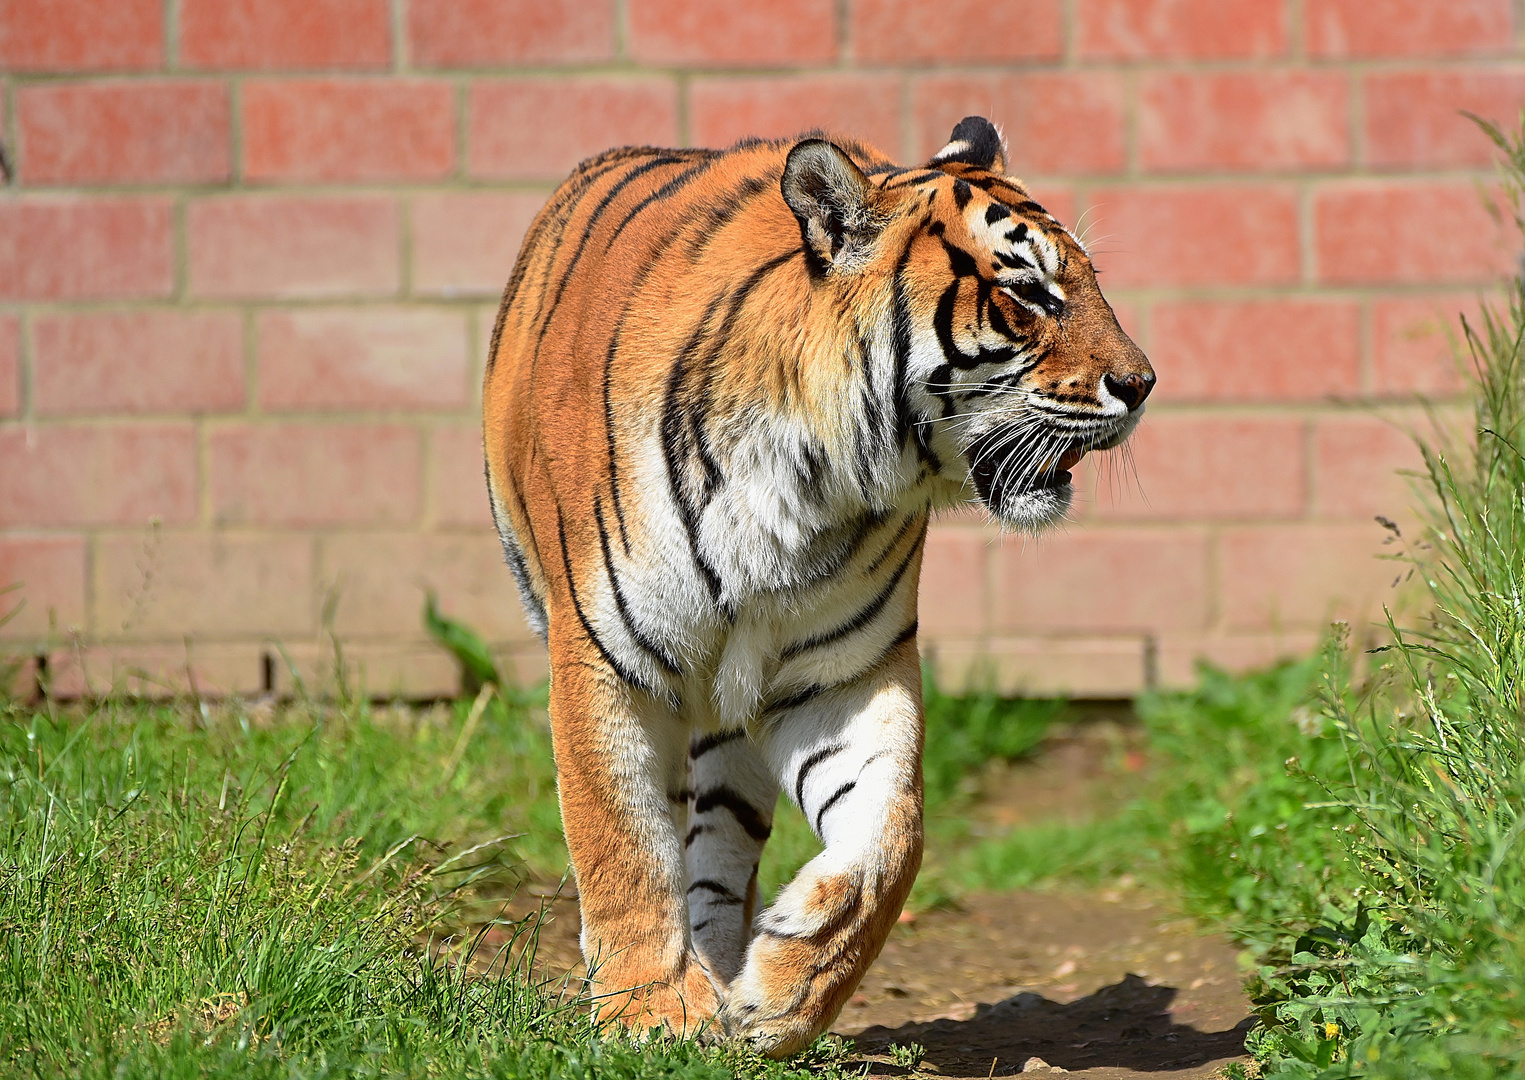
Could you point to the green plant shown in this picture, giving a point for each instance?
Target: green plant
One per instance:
(1425, 973)
(908, 1056)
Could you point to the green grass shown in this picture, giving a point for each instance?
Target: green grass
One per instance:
(267, 899)
(230, 893)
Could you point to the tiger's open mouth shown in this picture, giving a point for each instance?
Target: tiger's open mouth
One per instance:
(1005, 467)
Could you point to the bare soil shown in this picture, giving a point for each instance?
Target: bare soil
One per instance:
(1107, 984)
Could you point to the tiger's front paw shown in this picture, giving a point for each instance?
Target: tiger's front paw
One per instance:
(775, 1036)
(684, 1003)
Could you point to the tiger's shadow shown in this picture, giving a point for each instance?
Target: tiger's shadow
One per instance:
(1125, 1025)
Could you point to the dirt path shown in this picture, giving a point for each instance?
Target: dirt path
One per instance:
(1103, 985)
(1106, 985)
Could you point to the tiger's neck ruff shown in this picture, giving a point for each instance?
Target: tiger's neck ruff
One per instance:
(725, 391)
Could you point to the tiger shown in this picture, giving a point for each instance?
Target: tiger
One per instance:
(725, 391)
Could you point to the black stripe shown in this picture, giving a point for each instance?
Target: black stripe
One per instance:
(565, 209)
(566, 560)
(675, 444)
(810, 763)
(556, 212)
(587, 234)
(701, 924)
(796, 699)
(704, 745)
(666, 191)
(722, 894)
(694, 834)
(683, 423)
(636, 634)
(865, 616)
(649, 261)
(746, 815)
(614, 467)
(681, 795)
(908, 634)
(900, 389)
(836, 797)
(910, 519)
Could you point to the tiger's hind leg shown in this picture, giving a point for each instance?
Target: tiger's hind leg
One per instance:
(851, 759)
(621, 764)
(730, 817)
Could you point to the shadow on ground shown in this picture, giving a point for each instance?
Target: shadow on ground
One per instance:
(1127, 1026)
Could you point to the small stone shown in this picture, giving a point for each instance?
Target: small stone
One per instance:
(1034, 1064)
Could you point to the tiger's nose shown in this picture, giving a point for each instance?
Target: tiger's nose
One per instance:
(1130, 389)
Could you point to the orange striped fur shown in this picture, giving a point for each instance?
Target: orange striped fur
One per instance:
(725, 392)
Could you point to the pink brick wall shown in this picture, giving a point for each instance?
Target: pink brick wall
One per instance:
(250, 256)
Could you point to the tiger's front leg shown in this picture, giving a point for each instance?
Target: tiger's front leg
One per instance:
(621, 759)
(851, 759)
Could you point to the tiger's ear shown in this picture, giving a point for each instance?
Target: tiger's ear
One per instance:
(830, 197)
(975, 141)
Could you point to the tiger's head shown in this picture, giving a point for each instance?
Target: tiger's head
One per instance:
(1014, 365)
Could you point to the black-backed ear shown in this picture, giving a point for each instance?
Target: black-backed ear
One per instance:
(830, 196)
(975, 141)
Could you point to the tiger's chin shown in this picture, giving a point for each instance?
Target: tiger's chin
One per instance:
(1025, 500)
(1032, 509)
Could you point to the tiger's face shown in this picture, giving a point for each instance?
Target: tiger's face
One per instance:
(1018, 366)
(1015, 366)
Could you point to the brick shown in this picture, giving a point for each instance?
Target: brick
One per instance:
(495, 33)
(363, 358)
(1057, 199)
(1103, 581)
(81, 35)
(1257, 121)
(124, 133)
(174, 584)
(487, 321)
(1413, 121)
(1266, 350)
(1178, 655)
(1212, 468)
(1197, 235)
(282, 35)
(293, 246)
(1411, 232)
(115, 475)
(1053, 122)
(314, 474)
(1415, 343)
(953, 596)
(1360, 28)
(381, 580)
(51, 573)
(956, 30)
(1291, 577)
(457, 487)
(1181, 29)
(373, 670)
(68, 248)
(104, 363)
(10, 365)
(465, 242)
(538, 129)
(156, 671)
(335, 129)
(1356, 463)
(722, 32)
(1038, 667)
(725, 109)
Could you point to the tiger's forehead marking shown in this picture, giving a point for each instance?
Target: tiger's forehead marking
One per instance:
(1015, 233)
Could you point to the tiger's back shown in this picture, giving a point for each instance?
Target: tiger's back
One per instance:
(725, 391)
